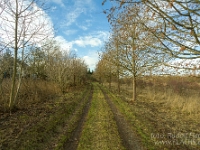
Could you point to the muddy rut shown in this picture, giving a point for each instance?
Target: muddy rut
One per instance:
(72, 142)
(129, 139)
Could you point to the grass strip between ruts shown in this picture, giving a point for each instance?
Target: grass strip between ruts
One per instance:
(100, 130)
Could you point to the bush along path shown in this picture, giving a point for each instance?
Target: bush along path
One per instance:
(45, 125)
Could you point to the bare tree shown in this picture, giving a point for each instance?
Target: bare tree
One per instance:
(99, 71)
(111, 56)
(23, 23)
(175, 24)
(135, 48)
(63, 67)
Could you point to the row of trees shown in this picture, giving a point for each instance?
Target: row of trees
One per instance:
(28, 48)
(147, 34)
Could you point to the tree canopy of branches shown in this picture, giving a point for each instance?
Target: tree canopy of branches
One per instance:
(22, 23)
(132, 46)
(146, 33)
(174, 23)
(28, 34)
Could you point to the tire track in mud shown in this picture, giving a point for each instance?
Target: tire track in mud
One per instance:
(129, 139)
(72, 142)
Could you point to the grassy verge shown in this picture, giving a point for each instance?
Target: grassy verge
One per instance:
(100, 130)
(156, 118)
(71, 126)
(42, 126)
(130, 114)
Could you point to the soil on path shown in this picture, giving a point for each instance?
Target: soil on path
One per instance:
(128, 137)
(72, 142)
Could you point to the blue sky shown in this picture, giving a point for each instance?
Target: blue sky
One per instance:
(81, 26)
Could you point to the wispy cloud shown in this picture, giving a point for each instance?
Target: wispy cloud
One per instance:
(64, 44)
(91, 58)
(84, 4)
(80, 6)
(104, 35)
(73, 15)
(85, 25)
(70, 32)
(53, 8)
(59, 2)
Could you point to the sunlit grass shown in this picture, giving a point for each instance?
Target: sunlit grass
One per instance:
(163, 105)
(46, 125)
(100, 130)
(131, 116)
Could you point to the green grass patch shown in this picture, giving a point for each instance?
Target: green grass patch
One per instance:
(131, 116)
(49, 127)
(100, 130)
(67, 131)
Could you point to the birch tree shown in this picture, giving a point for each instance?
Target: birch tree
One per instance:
(23, 23)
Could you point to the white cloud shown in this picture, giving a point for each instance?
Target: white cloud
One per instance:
(104, 35)
(88, 40)
(95, 39)
(91, 59)
(37, 26)
(179, 67)
(64, 44)
(84, 4)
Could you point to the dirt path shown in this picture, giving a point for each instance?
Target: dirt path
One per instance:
(92, 121)
(72, 142)
(100, 130)
(129, 138)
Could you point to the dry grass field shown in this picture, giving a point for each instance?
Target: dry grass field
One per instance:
(165, 116)
(167, 111)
